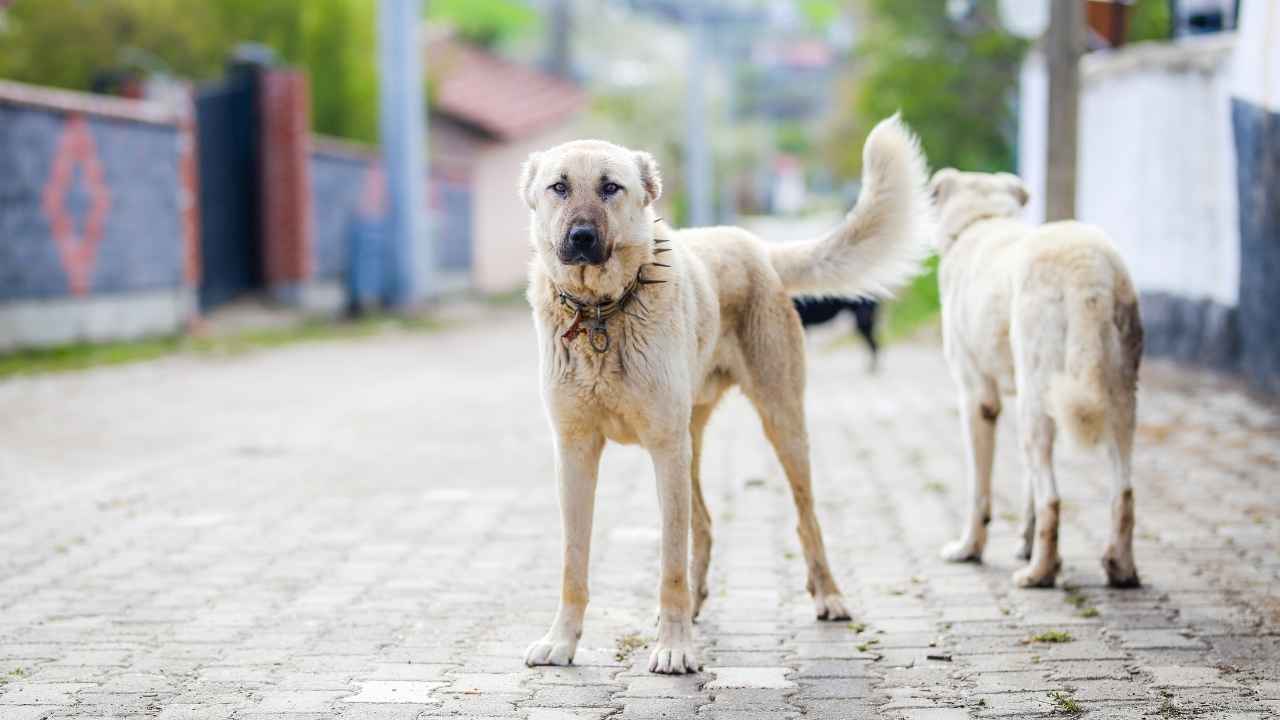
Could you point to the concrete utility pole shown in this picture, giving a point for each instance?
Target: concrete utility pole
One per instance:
(697, 142)
(410, 256)
(1064, 46)
(559, 51)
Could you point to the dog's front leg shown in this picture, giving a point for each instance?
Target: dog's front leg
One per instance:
(672, 457)
(577, 463)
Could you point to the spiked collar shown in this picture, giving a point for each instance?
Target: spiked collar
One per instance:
(595, 316)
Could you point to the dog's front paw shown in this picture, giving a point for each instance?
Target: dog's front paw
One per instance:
(674, 653)
(550, 650)
(831, 607)
(675, 659)
(961, 551)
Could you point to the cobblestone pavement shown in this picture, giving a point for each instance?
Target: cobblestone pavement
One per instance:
(367, 529)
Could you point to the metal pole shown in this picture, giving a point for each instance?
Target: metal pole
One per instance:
(697, 143)
(410, 257)
(1064, 46)
(559, 51)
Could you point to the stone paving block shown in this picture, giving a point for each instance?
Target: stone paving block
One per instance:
(661, 709)
(839, 710)
(934, 714)
(835, 688)
(1013, 682)
(1160, 640)
(1188, 677)
(764, 699)
(575, 696)
(484, 683)
(834, 669)
(32, 693)
(297, 701)
(193, 711)
(1112, 690)
(542, 713)
(28, 712)
(750, 677)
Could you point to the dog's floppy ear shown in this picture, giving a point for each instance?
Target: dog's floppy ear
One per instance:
(649, 176)
(943, 182)
(527, 174)
(1017, 187)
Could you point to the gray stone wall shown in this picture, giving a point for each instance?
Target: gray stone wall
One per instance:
(133, 192)
(337, 183)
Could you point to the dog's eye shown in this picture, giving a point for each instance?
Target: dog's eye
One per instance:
(560, 189)
(610, 189)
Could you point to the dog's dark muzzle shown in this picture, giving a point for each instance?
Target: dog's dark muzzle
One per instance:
(582, 245)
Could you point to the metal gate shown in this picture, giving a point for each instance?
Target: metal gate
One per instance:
(231, 252)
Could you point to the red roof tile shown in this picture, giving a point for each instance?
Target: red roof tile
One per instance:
(495, 95)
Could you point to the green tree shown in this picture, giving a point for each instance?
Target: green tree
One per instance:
(953, 82)
(1150, 20)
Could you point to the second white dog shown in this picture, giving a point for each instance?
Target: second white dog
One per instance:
(1047, 313)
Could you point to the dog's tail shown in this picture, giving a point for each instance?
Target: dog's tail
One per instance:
(1078, 394)
(883, 239)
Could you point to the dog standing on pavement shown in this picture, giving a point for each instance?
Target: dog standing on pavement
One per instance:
(819, 310)
(1050, 315)
(642, 329)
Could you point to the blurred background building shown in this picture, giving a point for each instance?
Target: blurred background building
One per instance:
(163, 161)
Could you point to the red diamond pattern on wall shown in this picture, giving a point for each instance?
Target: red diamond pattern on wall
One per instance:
(77, 252)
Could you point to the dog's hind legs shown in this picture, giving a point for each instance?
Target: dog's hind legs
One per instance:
(1118, 559)
(979, 410)
(1036, 430)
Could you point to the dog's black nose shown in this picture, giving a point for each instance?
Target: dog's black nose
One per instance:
(582, 237)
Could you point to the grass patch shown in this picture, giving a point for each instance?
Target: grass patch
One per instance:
(933, 486)
(857, 627)
(81, 356)
(1053, 636)
(915, 306)
(627, 644)
(1064, 704)
(1089, 612)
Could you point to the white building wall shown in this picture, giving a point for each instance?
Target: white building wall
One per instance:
(1157, 161)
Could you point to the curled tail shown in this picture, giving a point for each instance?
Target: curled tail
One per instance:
(1078, 394)
(883, 239)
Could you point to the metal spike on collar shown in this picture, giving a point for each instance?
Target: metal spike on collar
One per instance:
(646, 281)
(659, 264)
(659, 241)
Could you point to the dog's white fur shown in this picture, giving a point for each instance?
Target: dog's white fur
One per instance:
(1047, 313)
(723, 318)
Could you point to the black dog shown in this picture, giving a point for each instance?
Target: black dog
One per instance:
(815, 311)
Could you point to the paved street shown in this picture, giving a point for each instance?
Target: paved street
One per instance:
(368, 529)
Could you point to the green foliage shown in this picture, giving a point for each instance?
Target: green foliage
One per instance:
(820, 13)
(1150, 20)
(484, 22)
(915, 305)
(953, 82)
(66, 43)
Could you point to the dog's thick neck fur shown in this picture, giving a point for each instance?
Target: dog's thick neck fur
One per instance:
(957, 217)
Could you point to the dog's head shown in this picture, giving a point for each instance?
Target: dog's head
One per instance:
(963, 198)
(590, 202)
